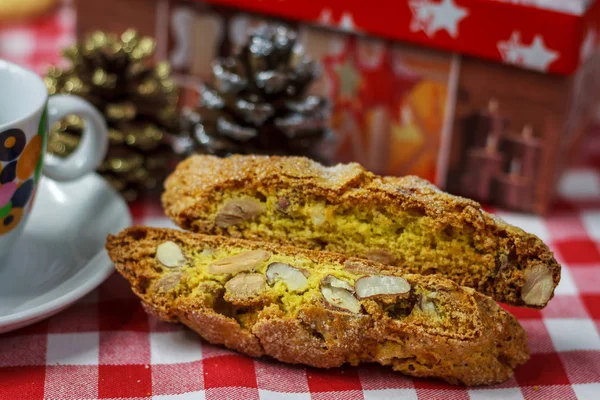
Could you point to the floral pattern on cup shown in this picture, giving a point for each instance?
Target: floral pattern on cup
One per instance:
(19, 161)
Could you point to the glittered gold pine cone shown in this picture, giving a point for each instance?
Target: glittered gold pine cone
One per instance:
(138, 100)
(257, 101)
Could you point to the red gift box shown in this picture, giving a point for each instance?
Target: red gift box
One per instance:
(548, 36)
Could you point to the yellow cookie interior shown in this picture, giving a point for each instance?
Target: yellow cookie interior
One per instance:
(193, 281)
(417, 242)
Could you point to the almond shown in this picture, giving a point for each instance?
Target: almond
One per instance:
(244, 261)
(426, 304)
(332, 281)
(338, 295)
(317, 214)
(293, 278)
(169, 254)
(340, 299)
(236, 211)
(379, 285)
(245, 285)
(538, 287)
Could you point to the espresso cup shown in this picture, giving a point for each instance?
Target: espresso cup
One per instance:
(26, 113)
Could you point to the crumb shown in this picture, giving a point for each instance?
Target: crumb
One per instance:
(536, 388)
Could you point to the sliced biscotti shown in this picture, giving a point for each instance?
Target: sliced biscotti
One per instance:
(317, 308)
(398, 221)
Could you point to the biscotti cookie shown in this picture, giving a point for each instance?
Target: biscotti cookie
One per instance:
(405, 222)
(317, 308)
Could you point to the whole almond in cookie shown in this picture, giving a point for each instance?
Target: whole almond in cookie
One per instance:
(243, 261)
(169, 254)
(236, 211)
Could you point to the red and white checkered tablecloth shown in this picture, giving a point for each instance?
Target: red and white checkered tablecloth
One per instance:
(106, 347)
(36, 44)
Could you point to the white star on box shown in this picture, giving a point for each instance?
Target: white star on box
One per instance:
(325, 16)
(511, 49)
(346, 22)
(431, 17)
(535, 56)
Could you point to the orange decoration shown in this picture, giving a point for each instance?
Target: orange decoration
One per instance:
(29, 158)
(10, 142)
(11, 221)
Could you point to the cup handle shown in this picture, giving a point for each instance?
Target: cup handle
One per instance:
(93, 146)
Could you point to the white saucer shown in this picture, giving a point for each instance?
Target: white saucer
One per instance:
(60, 257)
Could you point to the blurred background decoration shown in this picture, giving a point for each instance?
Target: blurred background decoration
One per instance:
(36, 39)
(256, 101)
(138, 99)
(406, 80)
